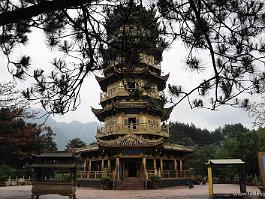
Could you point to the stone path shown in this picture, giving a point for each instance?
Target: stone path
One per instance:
(199, 192)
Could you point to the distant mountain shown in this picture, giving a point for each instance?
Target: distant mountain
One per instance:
(71, 130)
(65, 131)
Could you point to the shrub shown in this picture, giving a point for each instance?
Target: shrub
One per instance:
(155, 178)
(155, 181)
(6, 171)
(105, 180)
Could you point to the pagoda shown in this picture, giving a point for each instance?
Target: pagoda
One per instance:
(131, 144)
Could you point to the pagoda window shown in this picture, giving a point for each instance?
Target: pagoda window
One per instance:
(131, 123)
(131, 86)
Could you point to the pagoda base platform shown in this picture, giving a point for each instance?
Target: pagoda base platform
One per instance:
(175, 182)
(133, 184)
(129, 184)
(88, 183)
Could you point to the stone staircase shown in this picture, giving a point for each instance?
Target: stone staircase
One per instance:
(129, 184)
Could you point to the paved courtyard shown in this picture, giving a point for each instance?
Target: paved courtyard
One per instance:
(199, 192)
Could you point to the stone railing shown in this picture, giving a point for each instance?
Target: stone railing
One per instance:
(141, 128)
(176, 174)
(18, 181)
(93, 174)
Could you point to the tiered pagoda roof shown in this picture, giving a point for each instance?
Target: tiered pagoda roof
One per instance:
(177, 147)
(134, 141)
(143, 72)
(133, 136)
(133, 107)
(130, 140)
(87, 148)
(135, 54)
(141, 30)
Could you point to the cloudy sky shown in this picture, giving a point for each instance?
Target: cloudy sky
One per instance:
(173, 63)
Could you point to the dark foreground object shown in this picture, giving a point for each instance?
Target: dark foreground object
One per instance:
(54, 173)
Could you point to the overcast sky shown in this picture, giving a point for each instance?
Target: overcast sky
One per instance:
(173, 63)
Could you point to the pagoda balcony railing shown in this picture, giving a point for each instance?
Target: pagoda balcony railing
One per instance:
(119, 91)
(136, 128)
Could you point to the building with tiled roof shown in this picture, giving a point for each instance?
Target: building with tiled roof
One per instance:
(131, 144)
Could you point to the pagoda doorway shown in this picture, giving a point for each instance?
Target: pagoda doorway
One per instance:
(132, 168)
(132, 171)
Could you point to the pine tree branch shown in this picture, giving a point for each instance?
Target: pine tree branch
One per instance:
(26, 13)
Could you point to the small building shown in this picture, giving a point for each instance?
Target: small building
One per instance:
(131, 146)
(54, 173)
(227, 162)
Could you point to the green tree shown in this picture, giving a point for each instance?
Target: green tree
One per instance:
(244, 147)
(75, 143)
(6, 172)
(239, 142)
(230, 141)
(19, 139)
(191, 135)
(200, 157)
(229, 31)
(233, 130)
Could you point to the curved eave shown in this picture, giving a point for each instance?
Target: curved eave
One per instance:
(55, 155)
(121, 133)
(101, 114)
(55, 166)
(130, 140)
(119, 97)
(161, 85)
(177, 147)
(88, 148)
(105, 81)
